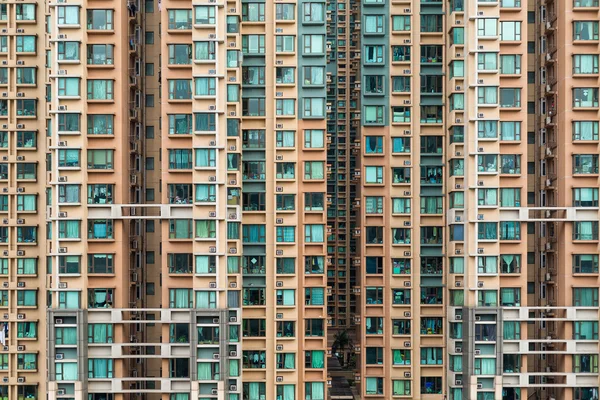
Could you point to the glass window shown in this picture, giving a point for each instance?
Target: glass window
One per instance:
(313, 44)
(585, 197)
(585, 64)
(585, 30)
(253, 12)
(510, 30)
(100, 19)
(180, 89)
(203, 51)
(100, 89)
(204, 15)
(585, 97)
(487, 61)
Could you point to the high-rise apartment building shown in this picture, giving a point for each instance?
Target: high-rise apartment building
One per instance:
(211, 199)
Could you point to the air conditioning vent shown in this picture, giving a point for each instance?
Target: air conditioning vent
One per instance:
(480, 283)
(279, 379)
(61, 392)
(215, 391)
(477, 352)
(20, 126)
(212, 249)
(232, 148)
(62, 214)
(279, 315)
(279, 284)
(458, 382)
(407, 374)
(279, 188)
(279, 220)
(407, 314)
(233, 285)
(62, 178)
(20, 253)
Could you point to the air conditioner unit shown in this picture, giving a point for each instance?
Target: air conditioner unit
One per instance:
(20, 316)
(20, 284)
(407, 314)
(233, 353)
(480, 386)
(279, 157)
(279, 315)
(20, 126)
(233, 285)
(62, 144)
(232, 319)
(62, 285)
(58, 321)
(212, 214)
(278, 252)
(480, 250)
(480, 217)
(5, 221)
(477, 352)
(232, 148)
(279, 220)
(20, 94)
(61, 36)
(5, 379)
(232, 216)
(279, 284)
(212, 178)
(4, 284)
(20, 62)
(62, 249)
(20, 190)
(232, 388)
(212, 285)
(279, 379)
(212, 249)
(20, 348)
(5, 253)
(407, 374)
(479, 284)
(406, 344)
(62, 214)
(458, 317)
(279, 188)
(458, 382)
(215, 391)
(212, 108)
(216, 356)
(62, 178)
(21, 380)
(20, 221)
(62, 108)
(458, 283)
(212, 143)
(61, 392)
(458, 350)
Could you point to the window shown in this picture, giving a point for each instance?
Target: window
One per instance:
(180, 158)
(285, 234)
(457, 34)
(585, 330)
(100, 263)
(203, 15)
(510, 31)
(487, 27)
(314, 170)
(100, 229)
(585, 64)
(205, 87)
(284, 12)
(100, 54)
(285, 297)
(401, 23)
(285, 43)
(510, 64)
(285, 170)
(313, 44)
(181, 263)
(26, 298)
(314, 12)
(180, 54)
(100, 159)
(510, 98)
(511, 163)
(68, 51)
(487, 61)
(314, 107)
(373, 24)
(401, 388)
(374, 55)
(206, 229)
(253, 12)
(400, 84)
(373, 175)
(585, 230)
(313, 391)
(431, 385)
(373, 115)
(373, 386)
(100, 124)
(253, 44)
(585, 297)
(585, 97)
(100, 19)
(28, 330)
(487, 95)
(401, 296)
(313, 76)
(431, 204)
(432, 355)
(180, 89)
(25, 76)
(585, 197)
(203, 51)
(434, 24)
(100, 194)
(585, 164)
(487, 163)
(401, 327)
(510, 297)
(285, 107)
(69, 229)
(487, 298)
(510, 230)
(286, 265)
(253, 106)
(100, 89)
(68, 15)
(585, 30)
(28, 266)
(510, 130)
(314, 201)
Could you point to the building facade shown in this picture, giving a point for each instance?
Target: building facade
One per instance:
(210, 199)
